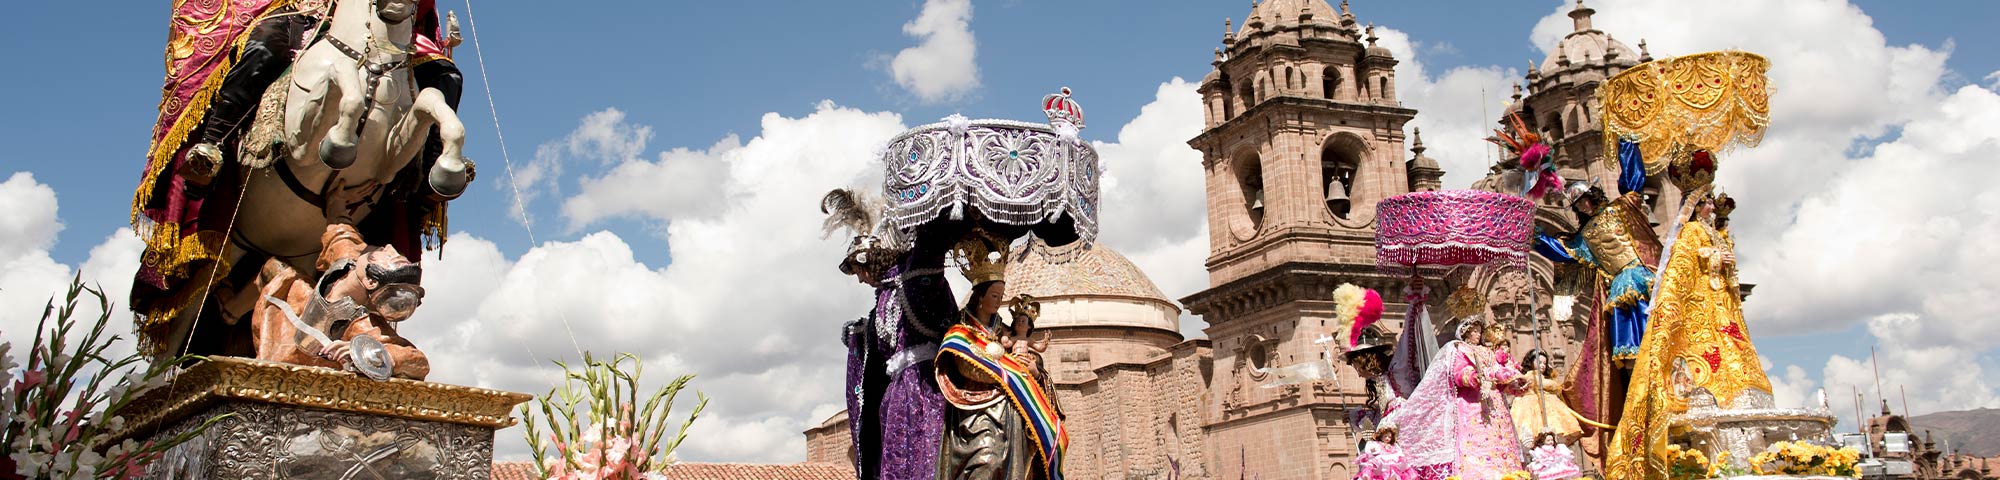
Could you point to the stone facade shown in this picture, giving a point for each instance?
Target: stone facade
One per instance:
(831, 442)
(1302, 112)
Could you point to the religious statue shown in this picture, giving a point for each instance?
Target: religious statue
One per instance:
(1541, 410)
(981, 184)
(272, 108)
(1697, 328)
(1381, 459)
(346, 318)
(1458, 420)
(343, 313)
(1003, 422)
(1552, 459)
(1615, 241)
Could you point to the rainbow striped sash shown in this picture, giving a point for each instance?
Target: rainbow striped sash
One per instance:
(1026, 394)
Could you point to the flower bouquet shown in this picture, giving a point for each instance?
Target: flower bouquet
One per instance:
(65, 403)
(594, 429)
(1803, 458)
(1688, 463)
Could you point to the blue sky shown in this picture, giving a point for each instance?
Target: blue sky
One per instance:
(715, 86)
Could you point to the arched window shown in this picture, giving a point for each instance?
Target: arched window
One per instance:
(1329, 82)
(1250, 178)
(1289, 86)
(1382, 89)
(1340, 167)
(1245, 98)
(1228, 105)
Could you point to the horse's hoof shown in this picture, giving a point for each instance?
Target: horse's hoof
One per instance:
(448, 183)
(335, 155)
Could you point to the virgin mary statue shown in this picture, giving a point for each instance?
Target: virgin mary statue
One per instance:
(1697, 339)
(1457, 422)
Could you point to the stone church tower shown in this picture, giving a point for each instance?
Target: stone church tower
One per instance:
(1304, 135)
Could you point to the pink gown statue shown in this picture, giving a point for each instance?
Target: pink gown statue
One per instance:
(1457, 422)
(1383, 460)
(1553, 461)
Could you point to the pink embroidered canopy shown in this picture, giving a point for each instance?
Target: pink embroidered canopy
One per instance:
(1452, 227)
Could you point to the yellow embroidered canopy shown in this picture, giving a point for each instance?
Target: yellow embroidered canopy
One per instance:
(1706, 101)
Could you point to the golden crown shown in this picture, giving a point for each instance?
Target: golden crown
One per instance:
(1691, 167)
(982, 257)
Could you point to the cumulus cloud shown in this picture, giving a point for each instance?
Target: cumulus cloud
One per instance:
(602, 136)
(1945, 377)
(943, 65)
(679, 183)
(1154, 211)
(1790, 387)
(750, 299)
(29, 277)
(1455, 109)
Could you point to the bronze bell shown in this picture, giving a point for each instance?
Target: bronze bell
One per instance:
(1257, 199)
(1336, 197)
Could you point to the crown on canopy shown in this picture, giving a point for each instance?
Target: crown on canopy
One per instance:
(1691, 168)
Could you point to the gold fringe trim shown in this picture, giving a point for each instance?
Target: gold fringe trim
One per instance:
(161, 153)
(435, 225)
(154, 320)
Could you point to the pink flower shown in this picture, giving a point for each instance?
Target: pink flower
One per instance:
(29, 379)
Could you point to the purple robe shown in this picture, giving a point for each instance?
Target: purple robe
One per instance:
(896, 412)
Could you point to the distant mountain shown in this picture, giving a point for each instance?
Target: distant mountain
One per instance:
(1975, 432)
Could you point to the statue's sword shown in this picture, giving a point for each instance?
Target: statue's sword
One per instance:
(365, 353)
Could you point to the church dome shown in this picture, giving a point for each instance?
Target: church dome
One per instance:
(1585, 44)
(1088, 286)
(1273, 11)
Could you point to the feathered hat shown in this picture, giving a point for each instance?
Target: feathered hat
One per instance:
(1359, 308)
(1537, 165)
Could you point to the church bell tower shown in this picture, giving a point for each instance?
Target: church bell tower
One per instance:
(1304, 134)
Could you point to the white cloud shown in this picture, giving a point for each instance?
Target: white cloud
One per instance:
(1889, 233)
(1154, 211)
(1790, 388)
(30, 278)
(602, 136)
(749, 301)
(682, 183)
(1455, 110)
(31, 223)
(943, 65)
(1944, 377)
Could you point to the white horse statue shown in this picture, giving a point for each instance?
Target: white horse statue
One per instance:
(352, 119)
